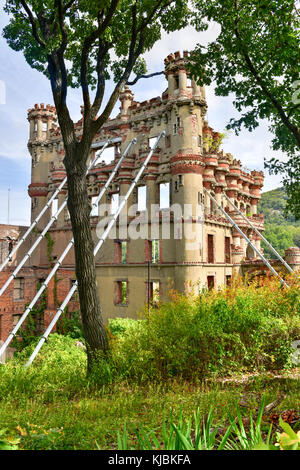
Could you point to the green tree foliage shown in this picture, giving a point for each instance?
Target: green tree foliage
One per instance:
(282, 231)
(279, 237)
(256, 57)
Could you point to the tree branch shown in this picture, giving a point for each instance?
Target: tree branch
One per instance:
(133, 82)
(33, 24)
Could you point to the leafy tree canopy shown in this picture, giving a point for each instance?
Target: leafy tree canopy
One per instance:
(256, 57)
(281, 229)
(86, 42)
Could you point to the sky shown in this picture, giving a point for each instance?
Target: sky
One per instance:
(21, 87)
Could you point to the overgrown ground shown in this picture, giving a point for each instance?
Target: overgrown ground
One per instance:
(216, 350)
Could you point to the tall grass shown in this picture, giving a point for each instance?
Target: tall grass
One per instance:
(236, 329)
(244, 327)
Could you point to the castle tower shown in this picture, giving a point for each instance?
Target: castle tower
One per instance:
(185, 127)
(41, 119)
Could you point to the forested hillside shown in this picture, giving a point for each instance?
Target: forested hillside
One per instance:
(281, 231)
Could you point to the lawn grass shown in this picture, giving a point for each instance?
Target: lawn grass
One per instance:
(93, 418)
(182, 357)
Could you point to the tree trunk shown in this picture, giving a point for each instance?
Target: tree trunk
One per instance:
(79, 207)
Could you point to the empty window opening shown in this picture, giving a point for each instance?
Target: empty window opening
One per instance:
(44, 127)
(107, 155)
(210, 248)
(124, 252)
(39, 283)
(180, 180)
(250, 253)
(210, 282)
(121, 293)
(176, 82)
(155, 251)
(200, 198)
(176, 125)
(152, 141)
(188, 82)
(19, 288)
(117, 150)
(10, 247)
(227, 250)
(228, 280)
(142, 198)
(114, 203)
(154, 295)
(16, 318)
(54, 207)
(164, 195)
(212, 205)
(94, 211)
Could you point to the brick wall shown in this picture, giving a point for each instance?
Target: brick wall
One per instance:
(10, 307)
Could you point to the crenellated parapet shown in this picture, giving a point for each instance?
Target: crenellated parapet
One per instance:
(42, 119)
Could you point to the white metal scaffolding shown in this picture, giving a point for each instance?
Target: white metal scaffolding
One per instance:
(266, 262)
(260, 234)
(96, 249)
(64, 254)
(45, 230)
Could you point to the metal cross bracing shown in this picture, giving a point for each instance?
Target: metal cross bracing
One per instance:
(266, 262)
(260, 234)
(96, 249)
(45, 230)
(9, 258)
(64, 254)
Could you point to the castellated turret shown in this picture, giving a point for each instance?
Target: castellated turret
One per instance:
(42, 121)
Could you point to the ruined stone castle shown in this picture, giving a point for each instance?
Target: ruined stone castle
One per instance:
(132, 272)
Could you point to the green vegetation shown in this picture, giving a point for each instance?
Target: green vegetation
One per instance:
(197, 433)
(282, 231)
(162, 368)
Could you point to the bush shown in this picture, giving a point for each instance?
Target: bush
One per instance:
(120, 326)
(236, 329)
(230, 330)
(59, 368)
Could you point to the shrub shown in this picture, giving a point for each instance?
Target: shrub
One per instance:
(58, 369)
(230, 330)
(120, 326)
